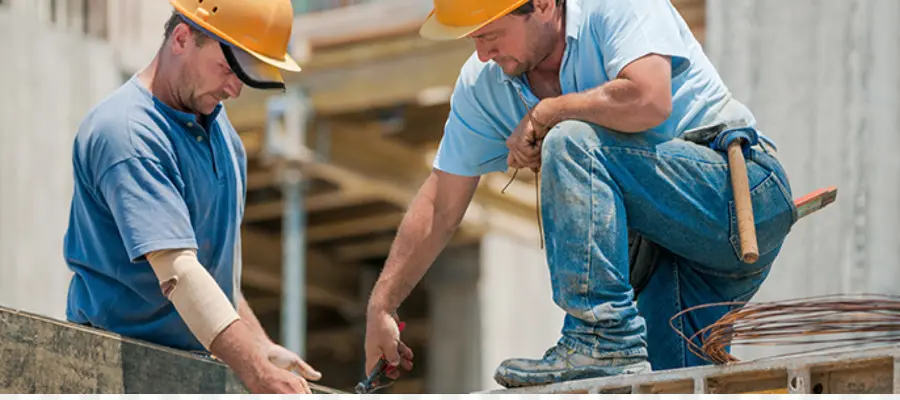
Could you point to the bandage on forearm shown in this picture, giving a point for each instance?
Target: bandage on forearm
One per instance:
(199, 300)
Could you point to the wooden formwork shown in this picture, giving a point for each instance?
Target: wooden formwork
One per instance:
(870, 371)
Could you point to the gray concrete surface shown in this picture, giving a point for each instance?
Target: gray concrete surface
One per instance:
(823, 78)
(49, 80)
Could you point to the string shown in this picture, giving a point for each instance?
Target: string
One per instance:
(537, 175)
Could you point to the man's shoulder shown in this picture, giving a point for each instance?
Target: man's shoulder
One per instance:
(124, 125)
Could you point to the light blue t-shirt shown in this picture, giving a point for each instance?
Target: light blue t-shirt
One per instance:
(602, 37)
(148, 177)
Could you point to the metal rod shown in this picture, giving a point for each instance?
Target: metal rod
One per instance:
(288, 147)
(294, 248)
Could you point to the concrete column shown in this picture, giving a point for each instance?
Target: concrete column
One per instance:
(519, 318)
(822, 78)
(489, 303)
(454, 359)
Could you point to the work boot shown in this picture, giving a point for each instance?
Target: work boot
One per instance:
(564, 364)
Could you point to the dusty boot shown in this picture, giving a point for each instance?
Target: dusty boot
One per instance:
(563, 364)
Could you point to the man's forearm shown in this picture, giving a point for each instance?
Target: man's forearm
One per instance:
(619, 105)
(420, 238)
(238, 347)
(247, 315)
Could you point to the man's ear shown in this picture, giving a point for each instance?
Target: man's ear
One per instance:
(181, 38)
(544, 6)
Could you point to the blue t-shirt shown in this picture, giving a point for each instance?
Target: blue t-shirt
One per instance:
(602, 37)
(148, 177)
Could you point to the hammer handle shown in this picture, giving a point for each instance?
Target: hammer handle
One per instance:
(740, 187)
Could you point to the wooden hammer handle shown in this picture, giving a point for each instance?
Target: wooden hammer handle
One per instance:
(740, 187)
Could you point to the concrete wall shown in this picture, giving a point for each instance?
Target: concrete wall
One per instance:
(60, 58)
(49, 80)
(824, 80)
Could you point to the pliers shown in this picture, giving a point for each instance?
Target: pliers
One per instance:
(378, 379)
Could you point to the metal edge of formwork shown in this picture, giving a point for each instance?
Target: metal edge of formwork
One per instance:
(796, 372)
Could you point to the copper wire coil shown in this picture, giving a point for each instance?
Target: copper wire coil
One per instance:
(822, 323)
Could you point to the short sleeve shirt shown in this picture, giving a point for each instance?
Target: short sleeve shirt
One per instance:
(148, 177)
(602, 38)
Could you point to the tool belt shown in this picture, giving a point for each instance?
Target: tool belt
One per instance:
(643, 255)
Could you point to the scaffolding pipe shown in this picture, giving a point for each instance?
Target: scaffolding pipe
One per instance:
(285, 145)
(294, 248)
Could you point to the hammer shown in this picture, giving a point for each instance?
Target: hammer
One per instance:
(740, 188)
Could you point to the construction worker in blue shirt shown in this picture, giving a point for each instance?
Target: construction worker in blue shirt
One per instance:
(598, 97)
(159, 189)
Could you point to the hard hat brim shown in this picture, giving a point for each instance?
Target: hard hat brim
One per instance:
(251, 70)
(435, 30)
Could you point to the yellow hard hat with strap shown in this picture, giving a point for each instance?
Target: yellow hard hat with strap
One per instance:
(455, 19)
(254, 35)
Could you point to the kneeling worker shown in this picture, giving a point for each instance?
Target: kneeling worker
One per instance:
(159, 171)
(609, 99)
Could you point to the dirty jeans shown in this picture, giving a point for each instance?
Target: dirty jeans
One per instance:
(598, 184)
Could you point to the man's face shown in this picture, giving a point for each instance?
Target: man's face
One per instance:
(204, 79)
(517, 43)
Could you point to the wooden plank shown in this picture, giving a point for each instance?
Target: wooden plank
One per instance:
(264, 251)
(363, 21)
(43, 355)
(315, 294)
(275, 209)
(354, 227)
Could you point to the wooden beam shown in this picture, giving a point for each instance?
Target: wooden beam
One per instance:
(259, 179)
(359, 21)
(315, 294)
(361, 251)
(275, 209)
(264, 252)
(354, 227)
(381, 247)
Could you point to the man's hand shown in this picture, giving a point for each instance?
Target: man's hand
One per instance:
(274, 380)
(383, 338)
(290, 361)
(525, 141)
(239, 348)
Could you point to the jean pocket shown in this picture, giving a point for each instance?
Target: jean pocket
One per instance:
(774, 213)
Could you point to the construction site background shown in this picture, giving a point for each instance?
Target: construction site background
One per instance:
(823, 78)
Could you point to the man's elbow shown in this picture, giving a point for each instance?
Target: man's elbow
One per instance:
(659, 110)
(653, 112)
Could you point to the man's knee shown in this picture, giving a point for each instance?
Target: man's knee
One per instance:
(568, 136)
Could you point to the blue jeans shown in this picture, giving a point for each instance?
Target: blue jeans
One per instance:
(598, 184)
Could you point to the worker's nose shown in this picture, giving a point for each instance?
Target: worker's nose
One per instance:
(485, 52)
(233, 86)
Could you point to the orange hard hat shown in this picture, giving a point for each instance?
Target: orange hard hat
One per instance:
(455, 19)
(254, 34)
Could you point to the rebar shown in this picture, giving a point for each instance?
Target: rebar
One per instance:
(823, 323)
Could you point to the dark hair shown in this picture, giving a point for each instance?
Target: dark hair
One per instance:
(174, 20)
(528, 8)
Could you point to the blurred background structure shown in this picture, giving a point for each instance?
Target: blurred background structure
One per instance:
(363, 121)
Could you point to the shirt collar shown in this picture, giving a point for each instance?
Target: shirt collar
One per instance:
(186, 117)
(574, 21)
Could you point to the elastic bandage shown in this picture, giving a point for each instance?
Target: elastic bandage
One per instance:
(200, 301)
